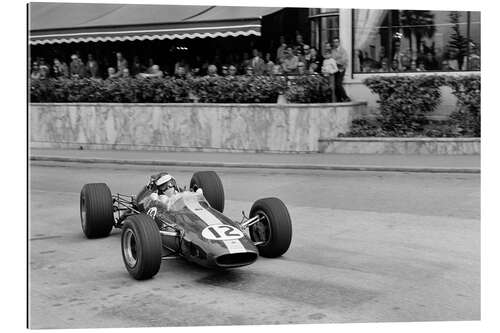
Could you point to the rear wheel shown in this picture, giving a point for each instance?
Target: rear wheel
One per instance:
(96, 210)
(273, 233)
(141, 246)
(212, 188)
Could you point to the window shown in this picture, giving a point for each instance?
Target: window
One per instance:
(324, 26)
(415, 40)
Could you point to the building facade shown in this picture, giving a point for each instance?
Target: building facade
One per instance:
(378, 42)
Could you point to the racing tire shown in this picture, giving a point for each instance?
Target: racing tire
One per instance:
(96, 210)
(141, 246)
(275, 228)
(212, 188)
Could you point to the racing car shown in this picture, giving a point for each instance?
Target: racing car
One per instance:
(192, 227)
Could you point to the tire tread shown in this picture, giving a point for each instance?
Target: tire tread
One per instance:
(99, 210)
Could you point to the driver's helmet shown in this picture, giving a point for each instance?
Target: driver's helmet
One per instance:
(166, 184)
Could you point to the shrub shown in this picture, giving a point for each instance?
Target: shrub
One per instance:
(405, 102)
(309, 89)
(467, 118)
(241, 89)
(157, 90)
(371, 127)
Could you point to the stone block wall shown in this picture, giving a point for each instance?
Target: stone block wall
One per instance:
(198, 127)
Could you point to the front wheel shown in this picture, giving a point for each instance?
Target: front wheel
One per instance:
(212, 188)
(273, 233)
(141, 246)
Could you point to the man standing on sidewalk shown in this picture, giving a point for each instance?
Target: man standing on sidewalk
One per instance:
(340, 56)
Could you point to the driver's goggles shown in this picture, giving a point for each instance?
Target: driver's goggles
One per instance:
(170, 184)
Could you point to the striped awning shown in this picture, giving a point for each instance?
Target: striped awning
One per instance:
(53, 23)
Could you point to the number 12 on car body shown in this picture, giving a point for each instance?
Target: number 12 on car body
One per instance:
(221, 232)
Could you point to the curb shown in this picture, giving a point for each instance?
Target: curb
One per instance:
(255, 165)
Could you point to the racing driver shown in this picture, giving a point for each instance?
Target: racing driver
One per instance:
(164, 187)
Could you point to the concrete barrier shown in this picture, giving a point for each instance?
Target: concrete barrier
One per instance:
(189, 126)
(374, 145)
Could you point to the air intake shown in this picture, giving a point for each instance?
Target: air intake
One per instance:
(236, 259)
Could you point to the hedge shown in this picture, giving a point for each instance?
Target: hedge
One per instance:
(467, 119)
(406, 101)
(238, 89)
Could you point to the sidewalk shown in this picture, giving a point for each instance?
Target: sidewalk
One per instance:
(312, 161)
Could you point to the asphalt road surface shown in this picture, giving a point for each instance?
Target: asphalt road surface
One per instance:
(366, 247)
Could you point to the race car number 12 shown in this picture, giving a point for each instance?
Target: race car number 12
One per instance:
(221, 232)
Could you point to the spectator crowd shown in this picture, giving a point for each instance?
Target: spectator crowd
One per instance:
(289, 60)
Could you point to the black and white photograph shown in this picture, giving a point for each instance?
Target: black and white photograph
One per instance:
(245, 164)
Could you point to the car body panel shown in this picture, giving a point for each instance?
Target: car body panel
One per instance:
(208, 237)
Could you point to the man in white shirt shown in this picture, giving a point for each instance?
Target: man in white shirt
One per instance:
(341, 58)
(329, 69)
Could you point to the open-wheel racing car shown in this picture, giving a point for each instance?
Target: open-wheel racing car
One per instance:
(192, 227)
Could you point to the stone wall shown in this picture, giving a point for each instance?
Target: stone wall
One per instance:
(220, 127)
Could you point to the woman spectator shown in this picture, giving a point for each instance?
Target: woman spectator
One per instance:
(280, 52)
(136, 67)
(44, 69)
(313, 69)
(384, 65)
(453, 61)
(430, 62)
(327, 47)
(181, 73)
(35, 71)
(232, 71)
(257, 63)
(155, 72)
(314, 58)
(420, 66)
(92, 67)
(245, 62)
(125, 73)
(307, 55)
(405, 63)
(395, 65)
(290, 62)
(60, 69)
(76, 67)
(121, 63)
(249, 71)
(181, 63)
(149, 68)
(112, 73)
(269, 64)
(301, 68)
(300, 55)
(212, 71)
(277, 70)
